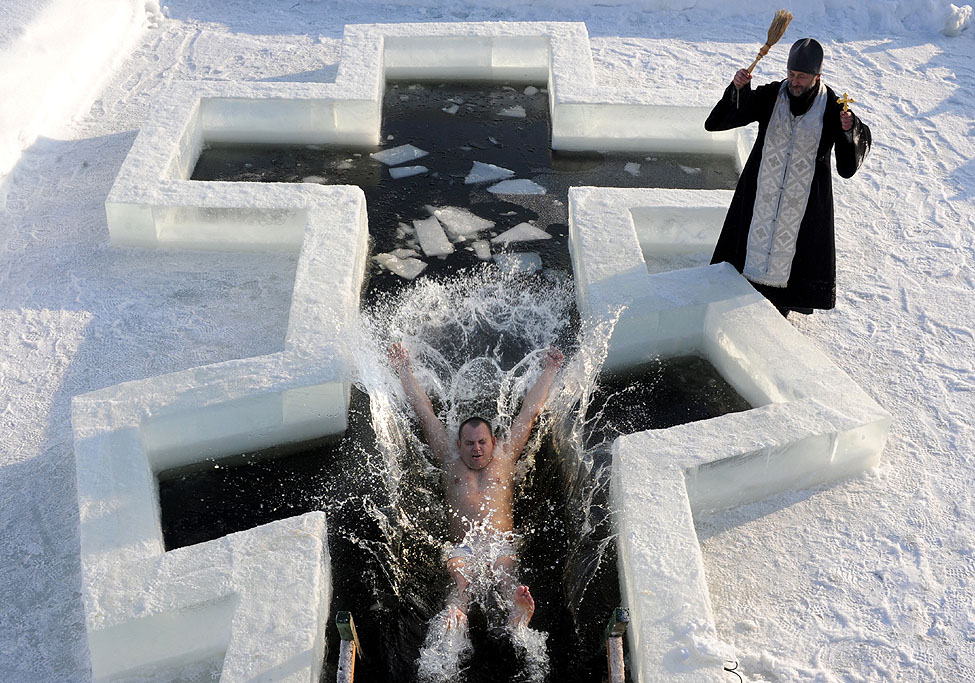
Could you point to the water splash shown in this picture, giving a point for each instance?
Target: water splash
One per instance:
(445, 649)
(476, 342)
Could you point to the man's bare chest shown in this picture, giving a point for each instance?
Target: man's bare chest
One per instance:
(490, 482)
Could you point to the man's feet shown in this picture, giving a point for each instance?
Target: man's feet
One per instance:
(523, 607)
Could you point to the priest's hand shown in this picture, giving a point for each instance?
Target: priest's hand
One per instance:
(741, 78)
(846, 120)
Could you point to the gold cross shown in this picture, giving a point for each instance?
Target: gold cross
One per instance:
(846, 101)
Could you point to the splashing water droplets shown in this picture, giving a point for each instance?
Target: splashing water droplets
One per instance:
(476, 342)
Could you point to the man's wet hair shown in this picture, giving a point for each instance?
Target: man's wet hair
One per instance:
(474, 420)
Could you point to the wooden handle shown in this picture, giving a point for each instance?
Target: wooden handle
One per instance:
(762, 51)
(346, 668)
(614, 660)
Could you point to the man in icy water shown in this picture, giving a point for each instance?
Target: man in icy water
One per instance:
(478, 478)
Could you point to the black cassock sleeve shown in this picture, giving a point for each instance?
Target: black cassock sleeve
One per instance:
(852, 150)
(734, 109)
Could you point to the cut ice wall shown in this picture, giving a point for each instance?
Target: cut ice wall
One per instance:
(810, 422)
(149, 610)
(153, 203)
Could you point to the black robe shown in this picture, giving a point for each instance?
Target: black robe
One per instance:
(812, 282)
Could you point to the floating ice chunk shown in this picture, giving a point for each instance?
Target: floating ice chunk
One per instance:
(482, 249)
(460, 223)
(632, 168)
(404, 253)
(344, 165)
(404, 230)
(407, 268)
(390, 136)
(397, 155)
(689, 170)
(494, 140)
(521, 186)
(523, 232)
(485, 173)
(515, 112)
(314, 179)
(531, 90)
(406, 171)
(452, 109)
(433, 241)
(522, 262)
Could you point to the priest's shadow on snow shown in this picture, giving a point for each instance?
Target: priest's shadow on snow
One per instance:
(963, 180)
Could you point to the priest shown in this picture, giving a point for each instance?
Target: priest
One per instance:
(779, 229)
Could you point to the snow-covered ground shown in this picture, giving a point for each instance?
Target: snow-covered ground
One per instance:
(869, 579)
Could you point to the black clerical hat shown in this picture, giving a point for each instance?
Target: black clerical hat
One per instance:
(806, 56)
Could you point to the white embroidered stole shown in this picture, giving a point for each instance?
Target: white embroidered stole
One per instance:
(784, 178)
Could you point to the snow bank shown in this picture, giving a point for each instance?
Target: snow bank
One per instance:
(895, 16)
(54, 59)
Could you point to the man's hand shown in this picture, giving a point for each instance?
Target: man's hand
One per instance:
(741, 78)
(846, 120)
(399, 357)
(553, 358)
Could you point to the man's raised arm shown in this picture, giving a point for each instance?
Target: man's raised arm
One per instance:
(434, 431)
(531, 407)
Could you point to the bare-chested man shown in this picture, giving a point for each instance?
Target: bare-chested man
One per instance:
(478, 477)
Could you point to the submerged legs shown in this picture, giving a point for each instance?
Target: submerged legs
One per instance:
(458, 600)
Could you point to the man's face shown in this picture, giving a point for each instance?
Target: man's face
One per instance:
(800, 82)
(476, 446)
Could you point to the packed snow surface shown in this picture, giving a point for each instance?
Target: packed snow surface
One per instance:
(868, 579)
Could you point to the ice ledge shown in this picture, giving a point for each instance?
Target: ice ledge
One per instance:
(255, 603)
(811, 423)
(259, 599)
(152, 200)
